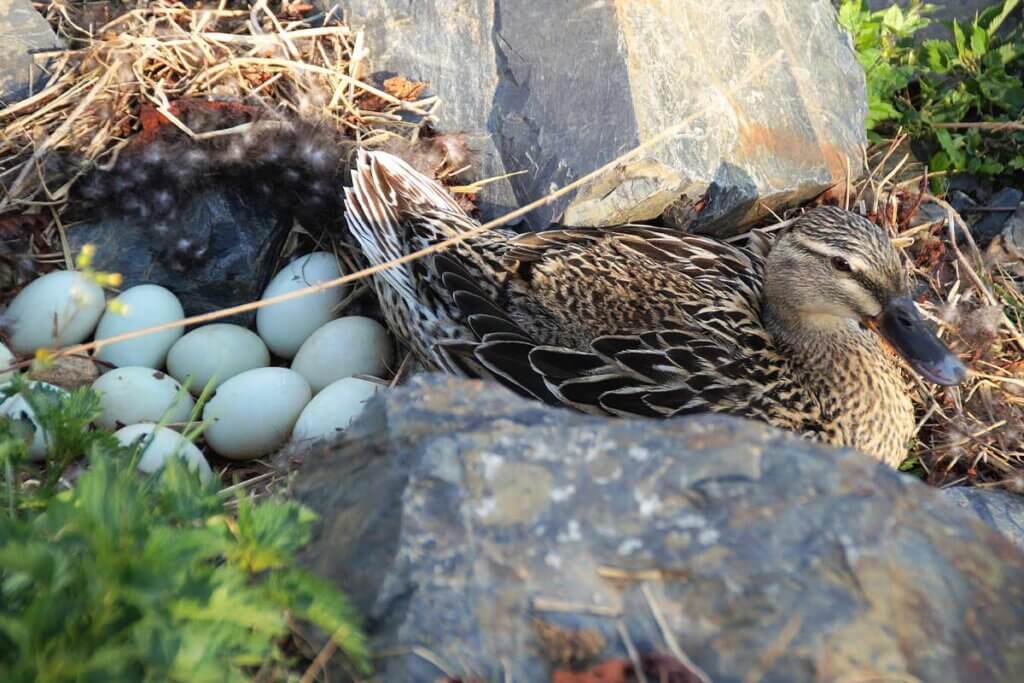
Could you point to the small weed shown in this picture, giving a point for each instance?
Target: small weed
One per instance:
(130, 577)
(961, 99)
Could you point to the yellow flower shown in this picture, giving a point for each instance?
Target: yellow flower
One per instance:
(43, 359)
(85, 256)
(117, 307)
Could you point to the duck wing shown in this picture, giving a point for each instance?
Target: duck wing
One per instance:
(703, 347)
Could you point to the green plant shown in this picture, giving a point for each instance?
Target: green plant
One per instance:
(147, 578)
(963, 98)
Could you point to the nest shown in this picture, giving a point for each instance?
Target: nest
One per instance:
(107, 89)
(118, 82)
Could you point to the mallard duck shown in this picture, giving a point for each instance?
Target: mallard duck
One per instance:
(801, 331)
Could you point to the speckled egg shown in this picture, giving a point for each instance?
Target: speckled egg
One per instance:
(145, 306)
(165, 443)
(57, 309)
(253, 413)
(286, 325)
(333, 409)
(216, 353)
(342, 348)
(135, 394)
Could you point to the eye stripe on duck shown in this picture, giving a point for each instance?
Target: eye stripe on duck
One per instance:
(858, 265)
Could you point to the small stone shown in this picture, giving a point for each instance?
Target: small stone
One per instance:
(1000, 209)
(68, 372)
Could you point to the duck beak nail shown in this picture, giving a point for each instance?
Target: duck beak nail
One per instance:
(902, 326)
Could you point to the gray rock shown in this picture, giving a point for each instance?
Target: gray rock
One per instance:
(1001, 510)
(1002, 206)
(23, 31)
(242, 238)
(465, 512)
(559, 89)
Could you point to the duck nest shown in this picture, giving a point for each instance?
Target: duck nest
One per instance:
(138, 71)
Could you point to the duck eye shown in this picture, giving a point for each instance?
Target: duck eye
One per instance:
(841, 264)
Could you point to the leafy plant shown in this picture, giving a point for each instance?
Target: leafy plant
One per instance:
(147, 578)
(962, 98)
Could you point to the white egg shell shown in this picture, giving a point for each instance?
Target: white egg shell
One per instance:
(18, 408)
(217, 352)
(57, 309)
(342, 348)
(253, 413)
(333, 409)
(146, 306)
(6, 359)
(165, 443)
(286, 325)
(135, 394)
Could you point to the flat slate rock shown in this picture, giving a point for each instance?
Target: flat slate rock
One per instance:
(23, 31)
(466, 522)
(240, 237)
(770, 92)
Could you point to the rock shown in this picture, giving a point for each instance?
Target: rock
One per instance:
(23, 31)
(1007, 249)
(1000, 207)
(1001, 510)
(458, 513)
(559, 89)
(241, 239)
(67, 372)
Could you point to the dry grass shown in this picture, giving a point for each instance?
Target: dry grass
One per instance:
(972, 433)
(99, 91)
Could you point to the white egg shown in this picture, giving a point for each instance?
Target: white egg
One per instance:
(253, 413)
(6, 360)
(215, 352)
(58, 309)
(342, 348)
(333, 409)
(145, 306)
(165, 443)
(286, 325)
(135, 394)
(18, 408)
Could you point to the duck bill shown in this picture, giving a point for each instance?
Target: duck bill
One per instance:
(902, 326)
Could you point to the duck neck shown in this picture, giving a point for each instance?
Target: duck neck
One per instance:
(828, 348)
(855, 382)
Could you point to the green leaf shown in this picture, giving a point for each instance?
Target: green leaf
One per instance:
(979, 41)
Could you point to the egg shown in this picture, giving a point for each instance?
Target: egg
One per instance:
(131, 395)
(215, 352)
(17, 407)
(333, 409)
(6, 360)
(286, 325)
(165, 443)
(253, 413)
(144, 306)
(342, 348)
(57, 309)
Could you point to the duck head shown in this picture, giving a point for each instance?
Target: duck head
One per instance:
(833, 270)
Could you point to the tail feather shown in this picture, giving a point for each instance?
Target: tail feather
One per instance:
(386, 193)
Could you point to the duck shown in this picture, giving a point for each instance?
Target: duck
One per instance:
(811, 330)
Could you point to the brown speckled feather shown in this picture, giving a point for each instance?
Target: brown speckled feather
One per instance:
(624, 321)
